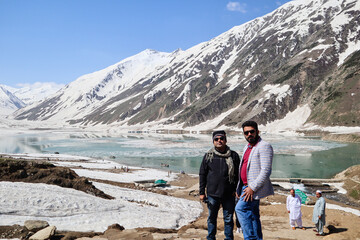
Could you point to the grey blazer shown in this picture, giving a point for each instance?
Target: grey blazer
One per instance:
(259, 169)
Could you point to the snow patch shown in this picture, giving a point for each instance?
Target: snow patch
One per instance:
(352, 47)
(137, 106)
(292, 120)
(137, 175)
(281, 92)
(345, 209)
(73, 210)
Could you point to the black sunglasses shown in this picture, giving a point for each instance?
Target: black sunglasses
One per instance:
(219, 138)
(247, 132)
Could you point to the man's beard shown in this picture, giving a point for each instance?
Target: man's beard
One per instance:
(252, 140)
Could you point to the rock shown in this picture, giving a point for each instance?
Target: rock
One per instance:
(114, 232)
(38, 171)
(116, 226)
(13, 232)
(194, 193)
(35, 225)
(22, 174)
(44, 234)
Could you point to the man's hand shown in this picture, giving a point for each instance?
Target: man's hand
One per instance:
(202, 197)
(248, 193)
(320, 217)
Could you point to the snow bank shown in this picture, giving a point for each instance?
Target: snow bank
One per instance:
(72, 210)
(139, 175)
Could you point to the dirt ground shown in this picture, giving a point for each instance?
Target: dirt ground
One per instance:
(274, 217)
(340, 225)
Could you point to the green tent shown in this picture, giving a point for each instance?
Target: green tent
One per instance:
(302, 195)
(160, 182)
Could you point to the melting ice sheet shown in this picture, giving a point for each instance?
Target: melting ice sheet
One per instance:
(295, 156)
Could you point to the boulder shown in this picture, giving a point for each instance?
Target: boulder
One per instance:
(35, 225)
(116, 226)
(44, 234)
(114, 232)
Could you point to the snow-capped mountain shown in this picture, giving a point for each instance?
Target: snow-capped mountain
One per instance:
(8, 102)
(30, 93)
(11, 99)
(91, 91)
(304, 54)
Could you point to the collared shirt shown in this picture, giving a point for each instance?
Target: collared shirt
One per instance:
(243, 174)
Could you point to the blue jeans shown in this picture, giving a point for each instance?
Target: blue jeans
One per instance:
(228, 205)
(249, 218)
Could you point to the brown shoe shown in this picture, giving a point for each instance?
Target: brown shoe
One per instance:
(293, 228)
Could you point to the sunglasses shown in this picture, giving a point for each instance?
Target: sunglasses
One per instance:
(247, 132)
(219, 138)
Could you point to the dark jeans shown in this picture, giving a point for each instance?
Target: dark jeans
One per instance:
(228, 205)
(249, 217)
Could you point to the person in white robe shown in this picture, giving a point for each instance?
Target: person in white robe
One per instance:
(293, 205)
(319, 214)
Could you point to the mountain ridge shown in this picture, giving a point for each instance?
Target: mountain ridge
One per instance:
(8, 101)
(260, 70)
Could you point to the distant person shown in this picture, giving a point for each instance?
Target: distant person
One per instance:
(254, 180)
(293, 205)
(219, 176)
(319, 214)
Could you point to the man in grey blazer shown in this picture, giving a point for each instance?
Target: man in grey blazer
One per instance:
(254, 180)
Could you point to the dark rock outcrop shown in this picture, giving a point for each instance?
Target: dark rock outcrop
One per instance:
(44, 172)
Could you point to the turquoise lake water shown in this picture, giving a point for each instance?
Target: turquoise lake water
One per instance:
(301, 157)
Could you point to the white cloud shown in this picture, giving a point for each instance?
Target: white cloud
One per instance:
(236, 7)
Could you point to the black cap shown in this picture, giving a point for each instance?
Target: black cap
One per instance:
(219, 133)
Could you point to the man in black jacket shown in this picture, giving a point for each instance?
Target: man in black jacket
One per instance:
(218, 174)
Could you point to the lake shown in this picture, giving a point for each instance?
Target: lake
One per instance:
(297, 157)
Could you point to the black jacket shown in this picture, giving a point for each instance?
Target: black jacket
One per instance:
(213, 176)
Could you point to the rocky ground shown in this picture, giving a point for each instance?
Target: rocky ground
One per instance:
(16, 170)
(351, 178)
(340, 224)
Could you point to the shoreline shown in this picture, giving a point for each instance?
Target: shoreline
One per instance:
(84, 165)
(332, 136)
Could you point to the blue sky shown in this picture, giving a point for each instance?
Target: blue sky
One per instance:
(60, 40)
